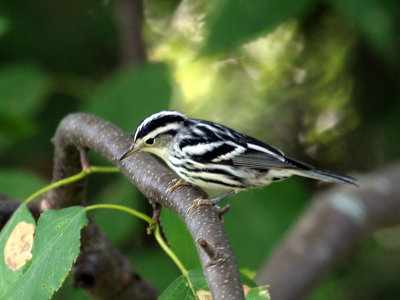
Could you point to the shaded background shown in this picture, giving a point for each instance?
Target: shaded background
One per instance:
(318, 79)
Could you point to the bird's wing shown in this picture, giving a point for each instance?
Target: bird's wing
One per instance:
(242, 152)
(258, 160)
(212, 143)
(263, 156)
(214, 152)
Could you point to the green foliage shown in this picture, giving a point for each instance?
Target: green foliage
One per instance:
(23, 88)
(258, 293)
(4, 26)
(18, 184)
(131, 94)
(121, 229)
(234, 22)
(9, 277)
(74, 36)
(258, 219)
(179, 239)
(279, 205)
(68, 292)
(148, 259)
(180, 289)
(55, 247)
(376, 21)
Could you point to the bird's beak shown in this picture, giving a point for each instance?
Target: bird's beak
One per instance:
(130, 151)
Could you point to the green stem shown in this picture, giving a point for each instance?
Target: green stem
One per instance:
(174, 258)
(56, 184)
(157, 235)
(122, 208)
(82, 174)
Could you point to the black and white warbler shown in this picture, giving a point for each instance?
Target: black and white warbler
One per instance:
(217, 158)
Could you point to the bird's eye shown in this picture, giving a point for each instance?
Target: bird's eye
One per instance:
(150, 141)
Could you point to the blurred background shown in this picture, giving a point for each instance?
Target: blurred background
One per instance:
(317, 78)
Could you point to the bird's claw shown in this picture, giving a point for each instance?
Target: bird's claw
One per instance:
(175, 183)
(199, 202)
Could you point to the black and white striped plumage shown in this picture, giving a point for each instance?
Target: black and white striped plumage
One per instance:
(215, 157)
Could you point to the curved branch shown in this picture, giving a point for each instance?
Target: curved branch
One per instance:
(330, 228)
(77, 131)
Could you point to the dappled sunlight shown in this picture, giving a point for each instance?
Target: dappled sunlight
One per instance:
(265, 80)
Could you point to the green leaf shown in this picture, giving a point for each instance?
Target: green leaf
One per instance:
(69, 291)
(23, 88)
(179, 288)
(179, 239)
(247, 280)
(4, 26)
(258, 219)
(377, 21)
(8, 276)
(19, 184)
(248, 273)
(120, 228)
(148, 262)
(258, 293)
(236, 21)
(55, 248)
(132, 94)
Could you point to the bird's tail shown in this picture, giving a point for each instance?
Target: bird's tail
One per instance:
(306, 170)
(325, 176)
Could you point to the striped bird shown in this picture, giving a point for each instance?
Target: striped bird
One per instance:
(217, 158)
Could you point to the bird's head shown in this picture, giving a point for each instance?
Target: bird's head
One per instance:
(155, 133)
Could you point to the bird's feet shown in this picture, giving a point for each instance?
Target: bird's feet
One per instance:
(200, 201)
(175, 183)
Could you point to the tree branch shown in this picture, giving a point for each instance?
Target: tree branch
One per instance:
(152, 178)
(330, 228)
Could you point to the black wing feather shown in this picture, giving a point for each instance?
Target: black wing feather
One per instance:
(258, 160)
(253, 158)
